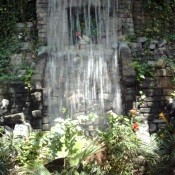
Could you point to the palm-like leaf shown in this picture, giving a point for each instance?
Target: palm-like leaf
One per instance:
(33, 168)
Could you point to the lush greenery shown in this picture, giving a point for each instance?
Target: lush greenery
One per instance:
(11, 13)
(159, 19)
(66, 150)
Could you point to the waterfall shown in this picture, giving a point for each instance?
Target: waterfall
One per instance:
(82, 70)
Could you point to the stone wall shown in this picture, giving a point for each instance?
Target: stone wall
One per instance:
(41, 10)
(156, 90)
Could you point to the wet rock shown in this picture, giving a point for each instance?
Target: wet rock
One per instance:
(115, 46)
(42, 52)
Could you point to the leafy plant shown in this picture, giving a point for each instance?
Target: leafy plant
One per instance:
(158, 18)
(66, 141)
(142, 70)
(165, 139)
(6, 154)
(122, 146)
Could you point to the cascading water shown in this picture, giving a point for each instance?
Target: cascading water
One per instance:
(82, 69)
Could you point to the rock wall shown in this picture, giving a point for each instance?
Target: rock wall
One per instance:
(153, 92)
(158, 89)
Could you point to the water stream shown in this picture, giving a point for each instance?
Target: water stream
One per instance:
(82, 70)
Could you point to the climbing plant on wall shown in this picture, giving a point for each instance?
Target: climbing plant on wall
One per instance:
(159, 18)
(12, 12)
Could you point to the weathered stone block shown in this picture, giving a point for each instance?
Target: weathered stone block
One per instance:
(152, 46)
(149, 83)
(36, 96)
(130, 97)
(161, 72)
(36, 123)
(129, 81)
(166, 82)
(37, 114)
(45, 120)
(160, 63)
(14, 118)
(169, 72)
(145, 110)
(22, 130)
(129, 90)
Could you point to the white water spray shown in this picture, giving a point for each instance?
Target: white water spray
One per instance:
(82, 70)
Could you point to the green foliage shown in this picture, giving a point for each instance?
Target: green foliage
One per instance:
(27, 76)
(122, 146)
(34, 168)
(6, 155)
(7, 47)
(65, 141)
(15, 11)
(165, 139)
(12, 12)
(159, 20)
(142, 70)
(130, 38)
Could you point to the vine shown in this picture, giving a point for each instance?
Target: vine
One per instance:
(159, 18)
(11, 13)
